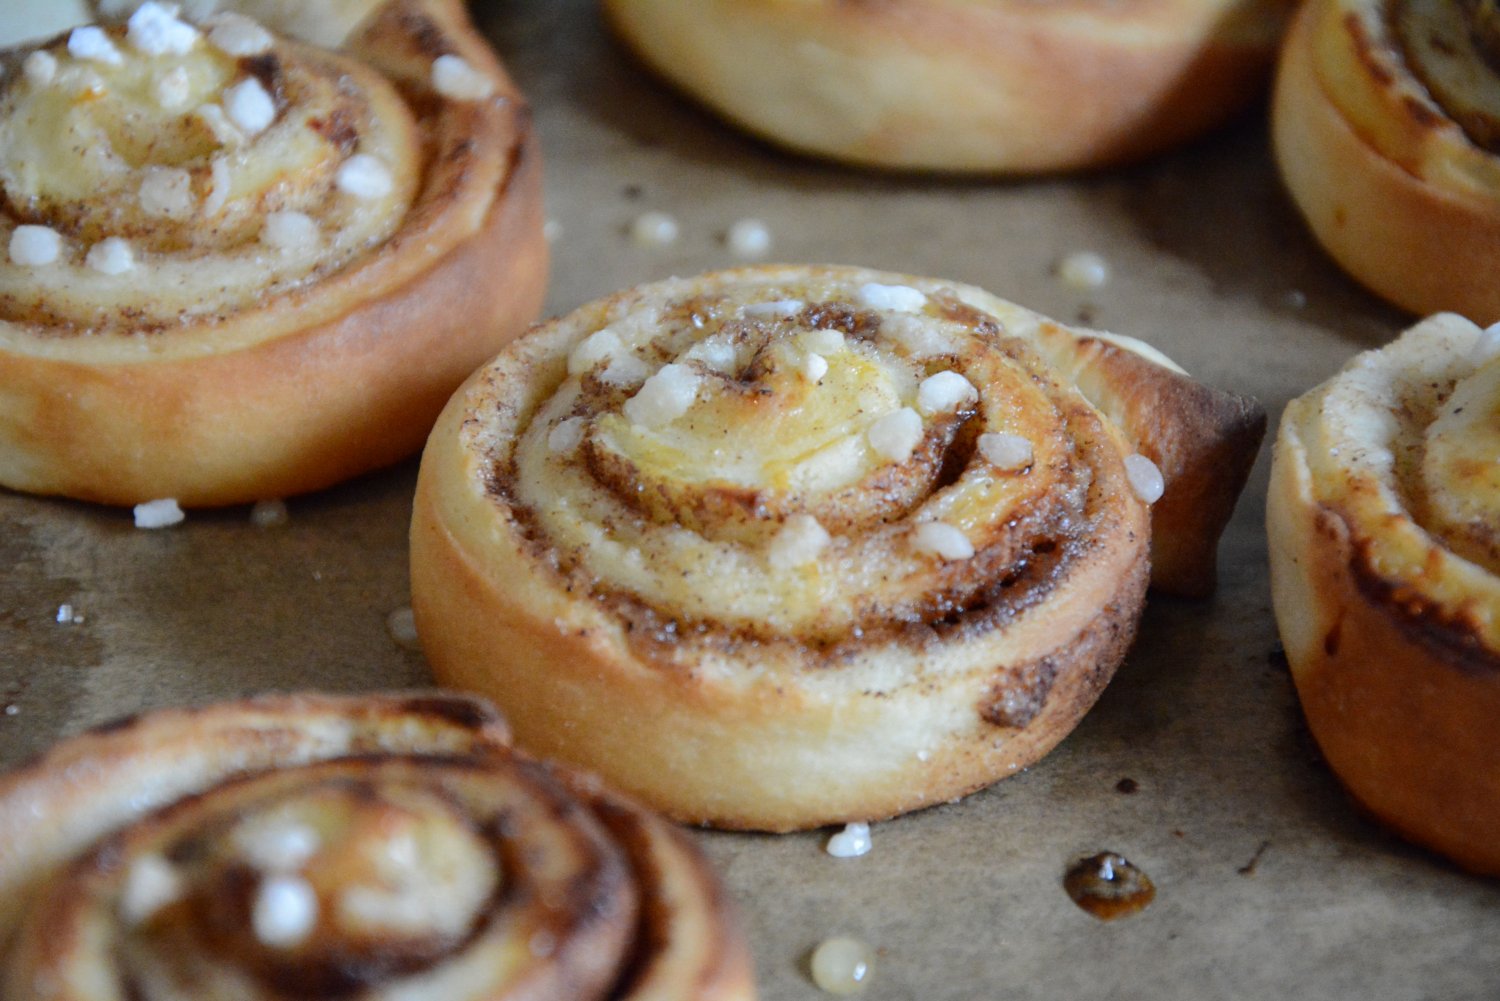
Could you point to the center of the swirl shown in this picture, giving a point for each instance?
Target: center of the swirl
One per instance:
(731, 442)
(343, 884)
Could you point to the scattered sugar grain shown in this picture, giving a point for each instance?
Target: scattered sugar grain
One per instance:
(151, 883)
(1083, 270)
(776, 307)
(11, 709)
(943, 392)
(814, 367)
(91, 43)
(1145, 478)
(68, 615)
(269, 514)
(167, 192)
(454, 78)
(822, 341)
(896, 298)
(626, 370)
(798, 542)
(402, 625)
(654, 229)
(1487, 345)
(566, 434)
(290, 230)
(237, 35)
(895, 436)
(664, 397)
(285, 911)
(852, 842)
(276, 844)
(249, 107)
(1007, 452)
(35, 246)
(365, 177)
(749, 239)
(717, 354)
(920, 337)
(945, 541)
(842, 965)
(158, 513)
(155, 30)
(173, 89)
(111, 256)
(40, 68)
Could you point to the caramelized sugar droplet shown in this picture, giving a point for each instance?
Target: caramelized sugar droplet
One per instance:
(1108, 886)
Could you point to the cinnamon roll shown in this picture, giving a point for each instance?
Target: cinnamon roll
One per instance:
(1384, 516)
(1000, 86)
(1386, 123)
(787, 546)
(317, 847)
(244, 258)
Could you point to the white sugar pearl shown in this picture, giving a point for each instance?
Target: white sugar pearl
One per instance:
(943, 540)
(626, 370)
(921, 338)
(798, 542)
(943, 392)
(814, 367)
(1084, 270)
(151, 883)
(276, 844)
(249, 107)
(895, 436)
(453, 77)
(653, 229)
(842, 965)
(749, 239)
(289, 230)
(111, 256)
(1487, 346)
(158, 513)
(269, 514)
(853, 841)
(1145, 478)
(715, 353)
(155, 30)
(402, 627)
(167, 192)
(776, 307)
(566, 434)
(68, 615)
(237, 35)
(364, 177)
(173, 89)
(40, 68)
(664, 397)
(285, 911)
(91, 43)
(897, 298)
(824, 342)
(34, 246)
(601, 345)
(1007, 452)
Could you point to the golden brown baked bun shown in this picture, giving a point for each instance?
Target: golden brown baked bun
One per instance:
(955, 85)
(786, 546)
(318, 847)
(239, 265)
(1385, 123)
(1384, 518)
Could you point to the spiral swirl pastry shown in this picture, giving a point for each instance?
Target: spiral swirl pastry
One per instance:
(1386, 122)
(316, 847)
(1384, 521)
(953, 85)
(248, 258)
(786, 546)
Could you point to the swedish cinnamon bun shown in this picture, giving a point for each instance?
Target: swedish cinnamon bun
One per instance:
(953, 85)
(787, 546)
(1384, 522)
(1386, 122)
(316, 847)
(243, 257)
